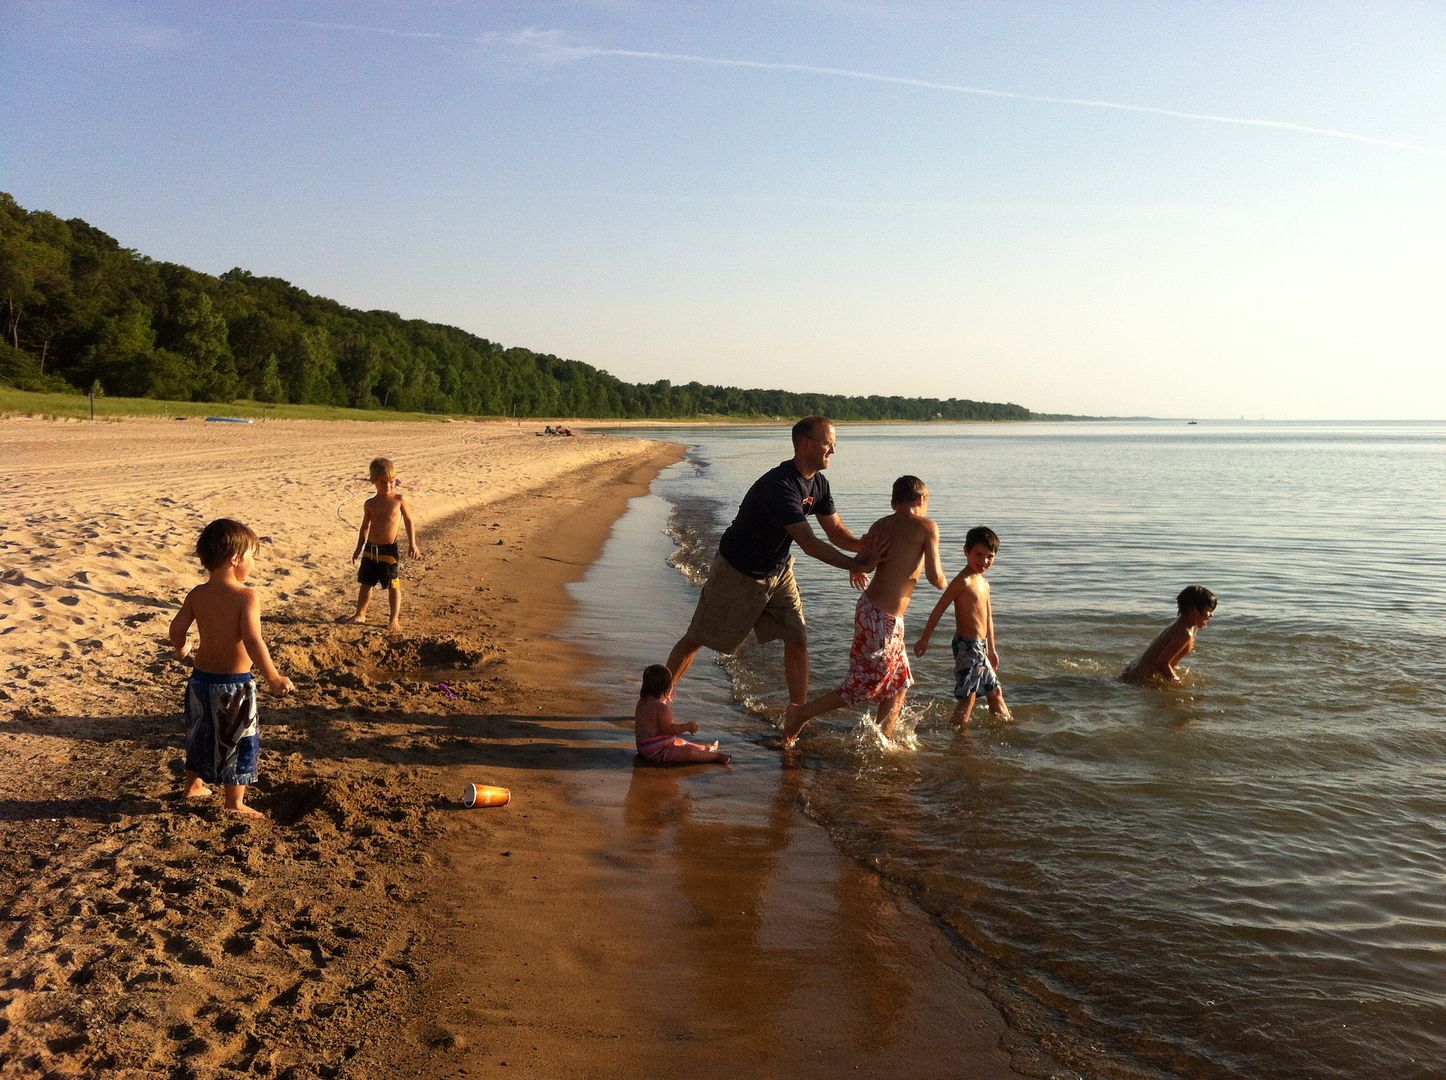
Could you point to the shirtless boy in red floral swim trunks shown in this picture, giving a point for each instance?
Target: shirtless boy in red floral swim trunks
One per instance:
(878, 663)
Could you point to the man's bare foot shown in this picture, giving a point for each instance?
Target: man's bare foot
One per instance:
(245, 811)
(197, 790)
(395, 627)
(358, 617)
(790, 732)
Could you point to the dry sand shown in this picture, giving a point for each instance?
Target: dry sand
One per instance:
(371, 927)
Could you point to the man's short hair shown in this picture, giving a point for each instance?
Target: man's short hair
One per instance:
(222, 540)
(807, 428)
(908, 490)
(982, 534)
(1196, 598)
(382, 467)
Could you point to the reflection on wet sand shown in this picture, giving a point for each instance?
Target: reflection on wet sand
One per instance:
(792, 954)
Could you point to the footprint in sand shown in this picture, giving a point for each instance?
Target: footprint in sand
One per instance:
(70, 601)
(13, 577)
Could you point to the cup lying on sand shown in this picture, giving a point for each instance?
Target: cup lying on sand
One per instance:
(485, 795)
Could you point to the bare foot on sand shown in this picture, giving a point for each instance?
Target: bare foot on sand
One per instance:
(197, 790)
(394, 627)
(245, 811)
(351, 618)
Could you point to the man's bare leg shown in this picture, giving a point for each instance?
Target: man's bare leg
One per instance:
(997, 706)
(680, 660)
(798, 715)
(394, 602)
(795, 671)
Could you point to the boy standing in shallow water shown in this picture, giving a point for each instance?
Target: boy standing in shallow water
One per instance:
(222, 728)
(1196, 605)
(976, 658)
(878, 662)
(376, 543)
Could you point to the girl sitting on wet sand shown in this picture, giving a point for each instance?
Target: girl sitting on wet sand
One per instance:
(657, 734)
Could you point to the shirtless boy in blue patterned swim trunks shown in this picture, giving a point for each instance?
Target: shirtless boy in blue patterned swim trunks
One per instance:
(383, 516)
(223, 732)
(975, 657)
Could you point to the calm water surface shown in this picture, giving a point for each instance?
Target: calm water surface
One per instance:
(1243, 876)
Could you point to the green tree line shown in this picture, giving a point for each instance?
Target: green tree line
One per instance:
(81, 312)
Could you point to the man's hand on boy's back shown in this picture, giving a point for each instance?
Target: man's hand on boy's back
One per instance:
(872, 550)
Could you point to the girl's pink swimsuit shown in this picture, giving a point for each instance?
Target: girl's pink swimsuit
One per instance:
(660, 747)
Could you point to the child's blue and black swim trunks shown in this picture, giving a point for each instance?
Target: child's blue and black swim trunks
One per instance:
(223, 729)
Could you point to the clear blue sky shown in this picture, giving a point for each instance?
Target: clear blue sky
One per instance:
(1176, 209)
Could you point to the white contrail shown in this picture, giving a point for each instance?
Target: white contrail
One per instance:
(356, 28)
(547, 42)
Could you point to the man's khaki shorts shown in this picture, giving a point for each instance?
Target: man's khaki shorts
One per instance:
(733, 604)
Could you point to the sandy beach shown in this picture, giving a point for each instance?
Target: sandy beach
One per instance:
(371, 926)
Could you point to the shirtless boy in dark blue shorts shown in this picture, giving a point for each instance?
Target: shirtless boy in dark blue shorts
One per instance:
(383, 515)
(223, 739)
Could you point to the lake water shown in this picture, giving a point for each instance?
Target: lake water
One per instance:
(1244, 876)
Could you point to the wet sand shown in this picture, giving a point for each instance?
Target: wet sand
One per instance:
(612, 920)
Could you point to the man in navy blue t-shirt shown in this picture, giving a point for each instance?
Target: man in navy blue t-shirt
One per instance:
(751, 585)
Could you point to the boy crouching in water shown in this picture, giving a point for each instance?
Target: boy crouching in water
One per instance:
(657, 735)
(376, 543)
(1196, 605)
(222, 728)
(878, 662)
(976, 658)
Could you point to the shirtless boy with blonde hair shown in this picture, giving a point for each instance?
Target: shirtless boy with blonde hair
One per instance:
(976, 657)
(223, 731)
(383, 515)
(878, 662)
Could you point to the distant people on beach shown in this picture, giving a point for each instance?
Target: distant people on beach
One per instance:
(1196, 605)
(558, 430)
(658, 736)
(879, 662)
(750, 584)
(383, 516)
(976, 653)
(223, 729)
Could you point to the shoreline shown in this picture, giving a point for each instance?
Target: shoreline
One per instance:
(375, 928)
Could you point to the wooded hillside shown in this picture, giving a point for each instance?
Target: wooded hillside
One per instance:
(80, 311)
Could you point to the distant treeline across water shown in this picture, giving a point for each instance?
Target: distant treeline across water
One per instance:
(81, 312)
